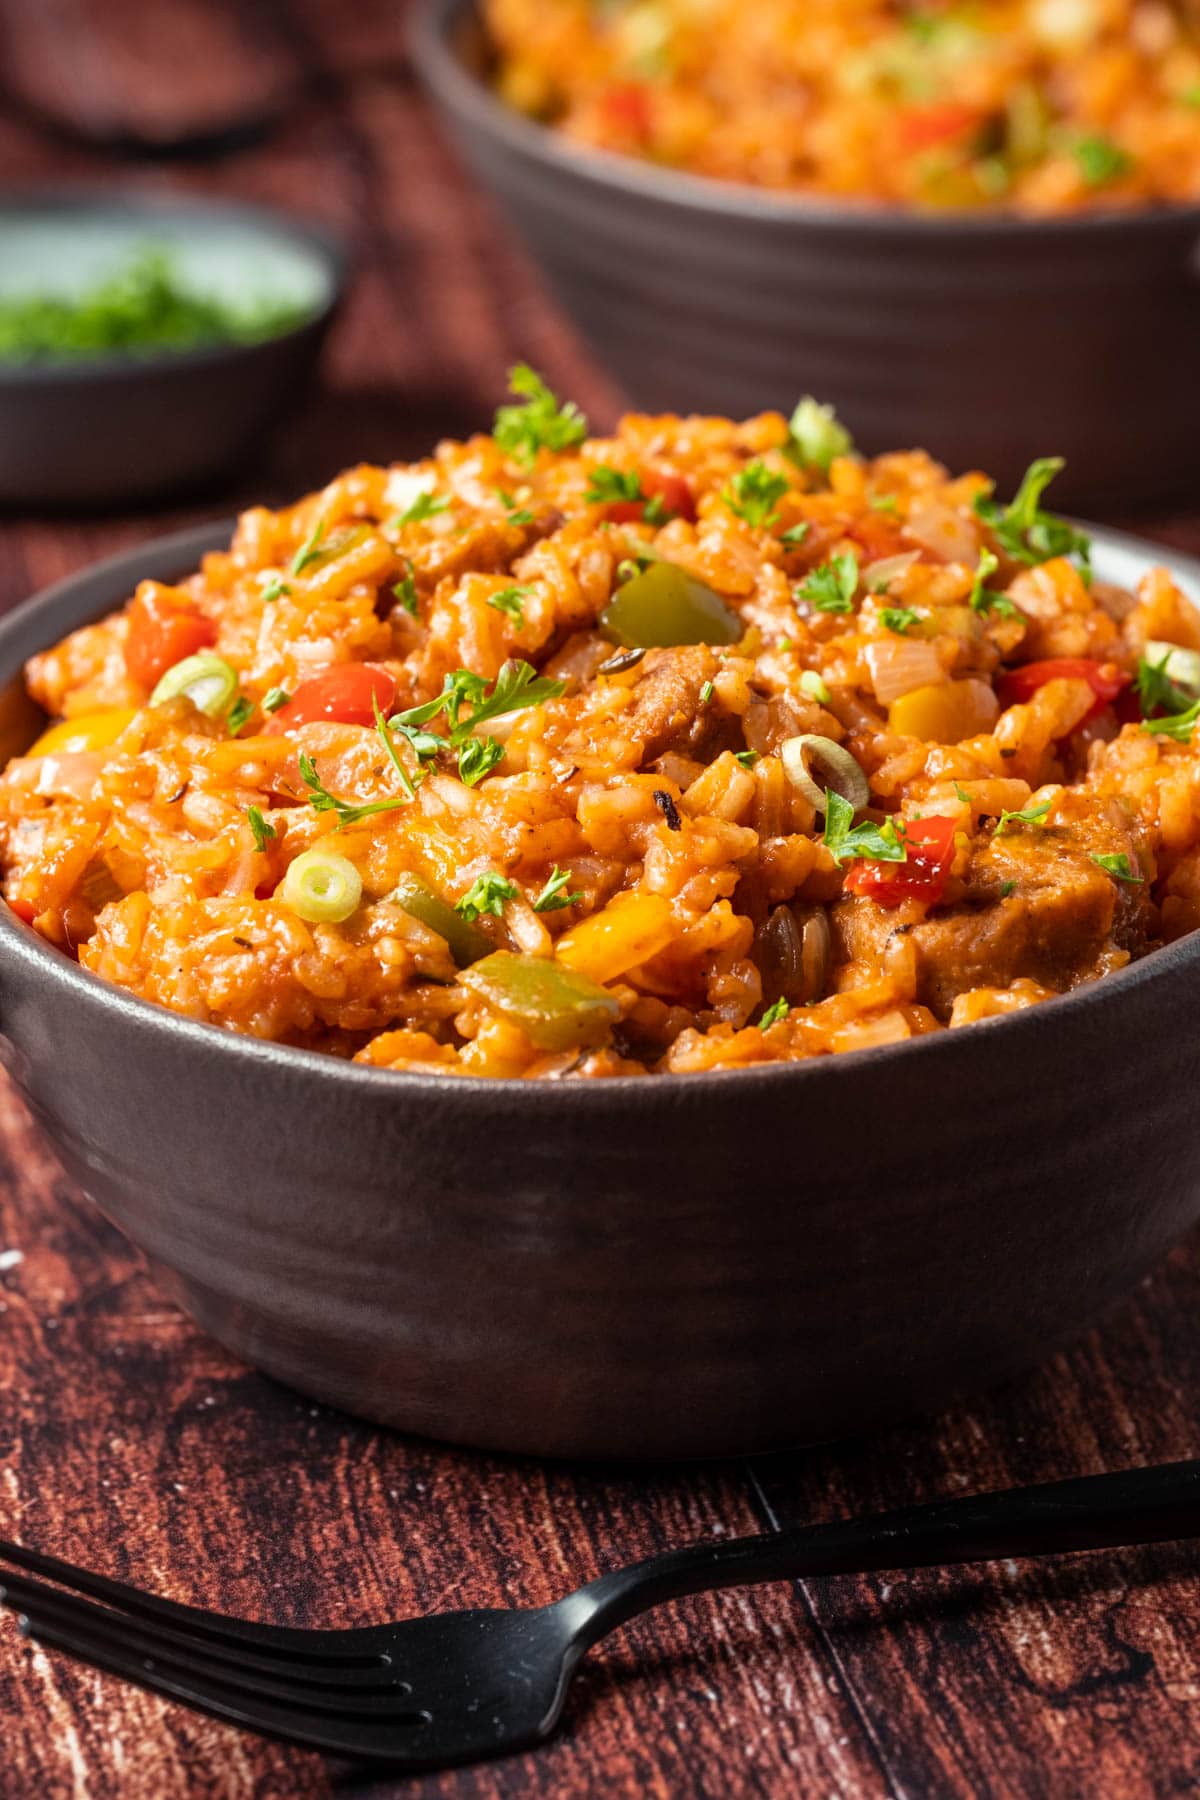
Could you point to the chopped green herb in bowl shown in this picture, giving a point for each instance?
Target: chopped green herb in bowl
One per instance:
(143, 307)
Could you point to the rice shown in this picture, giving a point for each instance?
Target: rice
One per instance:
(1049, 106)
(609, 871)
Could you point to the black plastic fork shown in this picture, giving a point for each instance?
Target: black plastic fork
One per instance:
(457, 1687)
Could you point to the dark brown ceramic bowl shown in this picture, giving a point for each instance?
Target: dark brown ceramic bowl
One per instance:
(987, 340)
(115, 427)
(655, 1267)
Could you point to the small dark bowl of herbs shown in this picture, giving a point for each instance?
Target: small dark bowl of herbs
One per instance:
(146, 344)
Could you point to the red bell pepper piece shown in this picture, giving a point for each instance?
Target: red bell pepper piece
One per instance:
(625, 110)
(1105, 679)
(675, 492)
(930, 847)
(344, 694)
(925, 127)
(162, 633)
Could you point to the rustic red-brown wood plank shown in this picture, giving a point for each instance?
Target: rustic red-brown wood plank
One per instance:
(1076, 1677)
(129, 1442)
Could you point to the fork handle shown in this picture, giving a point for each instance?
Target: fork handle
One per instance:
(1091, 1512)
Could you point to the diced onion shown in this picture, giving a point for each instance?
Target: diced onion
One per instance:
(835, 765)
(944, 532)
(321, 887)
(900, 664)
(73, 772)
(206, 679)
(1064, 24)
(880, 574)
(1181, 666)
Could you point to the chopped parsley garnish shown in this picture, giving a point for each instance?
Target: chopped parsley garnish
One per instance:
(877, 843)
(832, 587)
(816, 435)
(536, 421)
(321, 800)
(607, 484)
(1179, 726)
(1007, 888)
(308, 552)
(517, 685)
(488, 893)
(1032, 815)
(263, 831)
(552, 896)
(1155, 689)
(425, 506)
(981, 599)
(238, 713)
(779, 1009)
(815, 686)
(747, 758)
(405, 591)
(1118, 866)
(516, 515)
(1099, 160)
(477, 758)
(1023, 530)
(753, 492)
(884, 503)
(385, 735)
(511, 600)
(795, 534)
(706, 693)
(274, 698)
(899, 619)
(275, 589)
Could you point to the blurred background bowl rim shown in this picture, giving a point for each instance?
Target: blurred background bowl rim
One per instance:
(462, 92)
(314, 235)
(161, 558)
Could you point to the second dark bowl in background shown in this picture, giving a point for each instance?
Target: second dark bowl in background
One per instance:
(986, 339)
(123, 427)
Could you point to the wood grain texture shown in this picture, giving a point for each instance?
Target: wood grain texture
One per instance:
(130, 1443)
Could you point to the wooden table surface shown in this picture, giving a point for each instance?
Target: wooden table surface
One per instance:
(132, 1444)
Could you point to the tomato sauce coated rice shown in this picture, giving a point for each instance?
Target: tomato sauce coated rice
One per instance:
(1046, 106)
(703, 745)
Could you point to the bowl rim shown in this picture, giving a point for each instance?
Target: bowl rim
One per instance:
(463, 95)
(171, 556)
(321, 240)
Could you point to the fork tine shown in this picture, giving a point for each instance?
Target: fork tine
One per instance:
(284, 1640)
(255, 1670)
(295, 1724)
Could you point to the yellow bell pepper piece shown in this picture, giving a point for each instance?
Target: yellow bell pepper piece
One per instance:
(88, 731)
(628, 931)
(946, 712)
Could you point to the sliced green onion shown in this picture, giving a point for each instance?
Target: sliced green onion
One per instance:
(206, 679)
(839, 768)
(815, 686)
(1178, 664)
(816, 435)
(322, 887)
